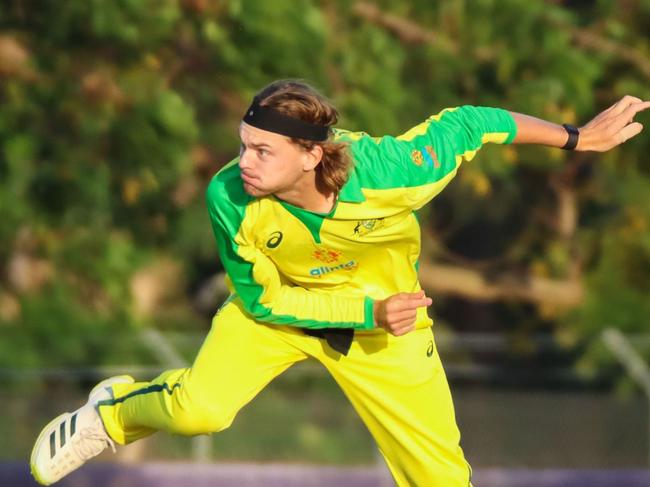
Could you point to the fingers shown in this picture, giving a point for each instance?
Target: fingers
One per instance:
(620, 117)
(407, 305)
(630, 131)
(628, 114)
(407, 314)
(623, 104)
(401, 322)
(418, 303)
(420, 299)
(408, 301)
(626, 106)
(401, 311)
(401, 327)
(403, 331)
(623, 127)
(614, 126)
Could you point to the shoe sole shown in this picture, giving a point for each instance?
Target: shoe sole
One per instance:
(119, 379)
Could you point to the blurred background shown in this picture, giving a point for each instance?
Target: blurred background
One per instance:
(114, 115)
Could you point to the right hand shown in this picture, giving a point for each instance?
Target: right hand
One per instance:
(396, 314)
(613, 126)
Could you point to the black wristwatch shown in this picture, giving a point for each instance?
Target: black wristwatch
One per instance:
(572, 141)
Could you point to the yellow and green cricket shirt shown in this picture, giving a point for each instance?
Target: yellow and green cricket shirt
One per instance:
(290, 266)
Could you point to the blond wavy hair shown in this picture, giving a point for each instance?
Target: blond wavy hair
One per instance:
(297, 99)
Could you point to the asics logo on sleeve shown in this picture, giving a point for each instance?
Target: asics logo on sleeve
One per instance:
(274, 240)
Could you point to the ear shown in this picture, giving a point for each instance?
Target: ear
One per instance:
(312, 158)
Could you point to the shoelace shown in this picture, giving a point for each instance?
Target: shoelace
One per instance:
(91, 443)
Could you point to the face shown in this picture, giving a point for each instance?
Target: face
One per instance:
(270, 163)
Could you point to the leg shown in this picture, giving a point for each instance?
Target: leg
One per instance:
(399, 388)
(238, 358)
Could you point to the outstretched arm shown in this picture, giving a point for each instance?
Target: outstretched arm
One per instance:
(608, 129)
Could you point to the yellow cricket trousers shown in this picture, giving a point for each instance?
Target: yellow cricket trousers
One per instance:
(396, 384)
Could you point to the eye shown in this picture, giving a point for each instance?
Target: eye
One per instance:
(263, 152)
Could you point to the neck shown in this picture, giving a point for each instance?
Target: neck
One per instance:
(306, 195)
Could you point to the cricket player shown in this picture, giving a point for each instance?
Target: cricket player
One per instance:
(317, 231)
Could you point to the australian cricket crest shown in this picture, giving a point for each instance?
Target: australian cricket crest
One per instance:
(364, 227)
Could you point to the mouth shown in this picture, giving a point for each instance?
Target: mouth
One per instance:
(247, 179)
(249, 186)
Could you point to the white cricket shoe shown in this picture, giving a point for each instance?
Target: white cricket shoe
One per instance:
(71, 439)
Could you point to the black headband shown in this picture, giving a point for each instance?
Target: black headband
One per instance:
(268, 119)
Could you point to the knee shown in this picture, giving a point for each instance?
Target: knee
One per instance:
(201, 419)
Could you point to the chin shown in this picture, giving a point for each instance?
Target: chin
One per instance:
(253, 191)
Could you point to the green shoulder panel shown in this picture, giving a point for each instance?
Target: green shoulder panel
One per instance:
(226, 197)
(227, 201)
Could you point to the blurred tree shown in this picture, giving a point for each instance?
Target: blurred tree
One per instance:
(114, 115)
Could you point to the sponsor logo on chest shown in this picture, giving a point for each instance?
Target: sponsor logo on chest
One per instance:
(330, 256)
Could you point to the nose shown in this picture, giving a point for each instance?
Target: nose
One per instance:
(245, 159)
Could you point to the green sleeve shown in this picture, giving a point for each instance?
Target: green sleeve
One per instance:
(430, 152)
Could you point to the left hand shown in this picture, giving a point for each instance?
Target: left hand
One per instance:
(397, 313)
(613, 126)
